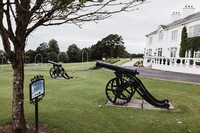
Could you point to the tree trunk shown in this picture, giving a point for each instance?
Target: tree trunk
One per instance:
(111, 52)
(18, 119)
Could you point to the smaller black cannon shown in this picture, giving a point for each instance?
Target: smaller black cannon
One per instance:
(58, 71)
(120, 89)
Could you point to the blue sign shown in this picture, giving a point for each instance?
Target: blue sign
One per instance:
(37, 89)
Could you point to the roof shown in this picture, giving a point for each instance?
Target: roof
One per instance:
(179, 22)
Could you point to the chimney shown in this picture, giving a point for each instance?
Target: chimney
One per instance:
(175, 16)
(188, 10)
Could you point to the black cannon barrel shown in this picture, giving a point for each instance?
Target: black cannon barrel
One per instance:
(54, 63)
(116, 68)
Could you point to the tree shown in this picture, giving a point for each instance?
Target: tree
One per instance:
(120, 51)
(110, 46)
(137, 55)
(19, 18)
(99, 50)
(74, 53)
(53, 56)
(62, 57)
(112, 41)
(43, 49)
(29, 56)
(183, 42)
(53, 46)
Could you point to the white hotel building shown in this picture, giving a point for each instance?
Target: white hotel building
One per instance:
(163, 44)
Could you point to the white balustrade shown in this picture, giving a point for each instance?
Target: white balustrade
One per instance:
(171, 61)
(184, 65)
(194, 64)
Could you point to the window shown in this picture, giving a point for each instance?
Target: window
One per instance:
(191, 28)
(159, 52)
(150, 52)
(150, 40)
(173, 52)
(197, 54)
(174, 35)
(155, 54)
(194, 31)
(161, 35)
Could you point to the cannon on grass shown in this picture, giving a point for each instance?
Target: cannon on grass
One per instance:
(58, 71)
(120, 89)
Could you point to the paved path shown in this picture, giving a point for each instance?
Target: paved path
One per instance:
(148, 72)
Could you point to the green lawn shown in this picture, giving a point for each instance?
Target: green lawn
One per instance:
(47, 66)
(73, 105)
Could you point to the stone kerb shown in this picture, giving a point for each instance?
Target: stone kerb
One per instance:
(139, 104)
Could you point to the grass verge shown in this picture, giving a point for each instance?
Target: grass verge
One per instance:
(73, 105)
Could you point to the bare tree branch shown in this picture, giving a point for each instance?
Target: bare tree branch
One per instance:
(80, 13)
(8, 18)
(3, 33)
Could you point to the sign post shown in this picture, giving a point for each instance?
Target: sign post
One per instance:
(37, 92)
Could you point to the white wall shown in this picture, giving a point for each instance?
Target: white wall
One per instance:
(156, 42)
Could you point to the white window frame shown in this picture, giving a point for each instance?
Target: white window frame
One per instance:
(159, 52)
(150, 40)
(150, 52)
(197, 53)
(160, 35)
(174, 35)
(190, 33)
(173, 51)
(194, 30)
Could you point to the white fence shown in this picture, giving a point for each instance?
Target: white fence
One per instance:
(183, 65)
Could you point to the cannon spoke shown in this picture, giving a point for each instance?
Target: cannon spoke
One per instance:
(111, 90)
(116, 96)
(128, 91)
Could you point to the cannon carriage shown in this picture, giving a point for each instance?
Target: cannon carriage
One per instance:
(121, 89)
(58, 71)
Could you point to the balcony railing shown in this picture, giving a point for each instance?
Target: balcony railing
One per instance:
(165, 63)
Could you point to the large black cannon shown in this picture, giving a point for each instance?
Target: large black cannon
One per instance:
(58, 71)
(120, 89)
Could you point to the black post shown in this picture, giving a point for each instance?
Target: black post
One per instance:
(36, 115)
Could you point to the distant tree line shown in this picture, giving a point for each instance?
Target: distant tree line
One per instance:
(136, 55)
(111, 46)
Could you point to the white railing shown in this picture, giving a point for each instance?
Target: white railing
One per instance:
(173, 64)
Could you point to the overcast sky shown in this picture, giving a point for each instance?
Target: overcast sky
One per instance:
(132, 26)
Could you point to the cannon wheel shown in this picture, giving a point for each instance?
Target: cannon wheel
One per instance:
(122, 93)
(53, 73)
